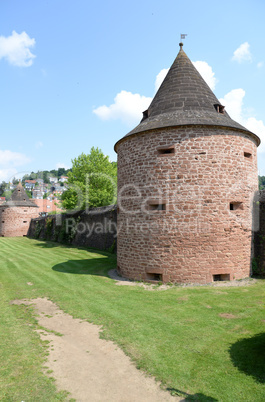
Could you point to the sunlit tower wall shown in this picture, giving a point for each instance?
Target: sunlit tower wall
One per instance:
(187, 175)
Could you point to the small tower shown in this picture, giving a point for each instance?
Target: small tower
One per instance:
(187, 175)
(16, 214)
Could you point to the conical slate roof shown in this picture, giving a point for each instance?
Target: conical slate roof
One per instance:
(19, 198)
(184, 98)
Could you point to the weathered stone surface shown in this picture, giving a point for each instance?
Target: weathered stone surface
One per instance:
(187, 212)
(197, 235)
(95, 228)
(16, 214)
(15, 220)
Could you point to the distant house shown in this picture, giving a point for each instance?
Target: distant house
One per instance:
(39, 191)
(53, 180)
(47, 205)
(30, 184)
(37, 194)
(2, 199)
(63, 179)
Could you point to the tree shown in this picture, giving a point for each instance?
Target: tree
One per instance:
(7, 194)
(92, 181)
(29, 193)
(262, 182)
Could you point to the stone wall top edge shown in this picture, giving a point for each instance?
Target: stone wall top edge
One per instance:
(159, 129)
(91, 211)
(18, 206)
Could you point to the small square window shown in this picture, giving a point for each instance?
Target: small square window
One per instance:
(234, 206)
(154, 277)
(219, 108)
(221, 277)
(157, 207)
(247, 155)
(168, 150)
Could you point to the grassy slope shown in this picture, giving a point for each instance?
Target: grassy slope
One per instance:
(176, 335)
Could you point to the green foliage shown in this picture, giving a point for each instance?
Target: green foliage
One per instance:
(38, 229)
(112, 248)
(65, 234)
(49, 226)
(45, 195)
(70, 199)
(262, 182)
(255, 266)
(7, 194)
(29, 194)
(92, 182)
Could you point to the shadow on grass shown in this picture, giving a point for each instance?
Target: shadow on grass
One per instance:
(48, 244)
(248, 355)
(92, 266)
(51, 244)
(188, 397)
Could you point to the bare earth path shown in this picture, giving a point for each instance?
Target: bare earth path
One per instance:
(90, 368)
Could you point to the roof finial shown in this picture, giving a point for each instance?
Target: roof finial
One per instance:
(182, 36)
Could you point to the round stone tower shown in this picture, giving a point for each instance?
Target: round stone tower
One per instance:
(16, 214)
(187, 175)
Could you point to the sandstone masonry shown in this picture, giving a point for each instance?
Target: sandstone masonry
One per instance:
(16, 214)
(187, 178)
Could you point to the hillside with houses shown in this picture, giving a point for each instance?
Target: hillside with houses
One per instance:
(43, 188)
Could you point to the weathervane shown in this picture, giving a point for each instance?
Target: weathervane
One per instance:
(182, 36)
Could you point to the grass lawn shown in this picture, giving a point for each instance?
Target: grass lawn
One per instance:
(204, 342)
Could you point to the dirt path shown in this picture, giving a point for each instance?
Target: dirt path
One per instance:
(90, 368)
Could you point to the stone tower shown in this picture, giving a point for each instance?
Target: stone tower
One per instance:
(16, 214)
(187, 175)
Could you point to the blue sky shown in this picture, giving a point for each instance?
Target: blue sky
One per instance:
(77, 74)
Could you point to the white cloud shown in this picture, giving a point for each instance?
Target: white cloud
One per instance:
(260, 64)
(61, 165)
(9, 161)
(233, 102)
(127, 107)
(242, 53)
(7, 175)
(15, 49)
(160, 78)
(12, 158)
(257, 127)
(206, 72)
(38, 145)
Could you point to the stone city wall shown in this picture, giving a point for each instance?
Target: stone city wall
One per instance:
(259, 237)
(96, 228)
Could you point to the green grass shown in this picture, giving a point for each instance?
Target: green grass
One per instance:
(177, 335)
